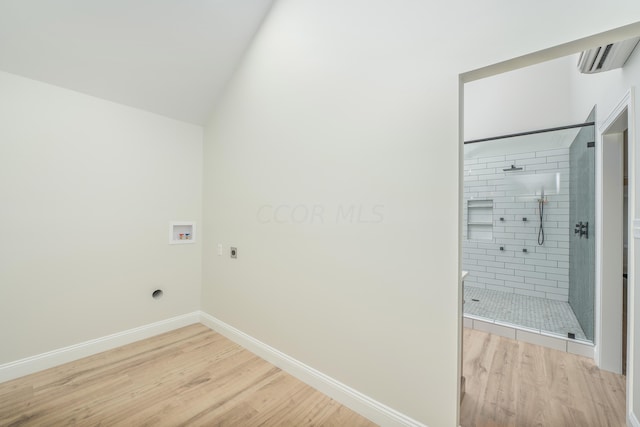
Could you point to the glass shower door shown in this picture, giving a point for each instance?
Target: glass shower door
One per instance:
(582, 232)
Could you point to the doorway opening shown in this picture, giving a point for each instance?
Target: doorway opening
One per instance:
(613, 304)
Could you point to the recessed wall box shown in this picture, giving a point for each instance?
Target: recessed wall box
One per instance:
(182, 232)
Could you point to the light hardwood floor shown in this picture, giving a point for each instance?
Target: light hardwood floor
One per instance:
(511, 383)
(191, 376)
(194, 376)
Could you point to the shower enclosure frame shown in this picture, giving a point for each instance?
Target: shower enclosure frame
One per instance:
(478, 316)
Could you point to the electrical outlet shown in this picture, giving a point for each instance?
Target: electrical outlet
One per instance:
(234, 252)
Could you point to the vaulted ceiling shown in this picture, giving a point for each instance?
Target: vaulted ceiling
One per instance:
(170, 57)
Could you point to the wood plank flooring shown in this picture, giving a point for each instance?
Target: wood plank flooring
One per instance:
(191, 376)
(194, 376)
(511, 383)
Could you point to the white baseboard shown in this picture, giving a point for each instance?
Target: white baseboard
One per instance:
(30, 365)
(364, 405)
(633, 420)
(360, 403)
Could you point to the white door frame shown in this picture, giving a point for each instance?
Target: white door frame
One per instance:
(606, 348)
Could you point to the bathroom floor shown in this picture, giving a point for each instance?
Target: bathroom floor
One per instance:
(541, 314)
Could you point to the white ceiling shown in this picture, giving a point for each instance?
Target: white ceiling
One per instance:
(170, 57)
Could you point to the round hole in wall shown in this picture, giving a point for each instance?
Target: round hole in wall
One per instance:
(157, 294)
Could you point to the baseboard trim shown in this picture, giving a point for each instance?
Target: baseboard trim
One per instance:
(364, 405)
(633, 420)
(30, 365)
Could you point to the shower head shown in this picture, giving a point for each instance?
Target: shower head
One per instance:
(512, 169)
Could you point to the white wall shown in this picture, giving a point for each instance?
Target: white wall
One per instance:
(338, 105)
(87, 189)
(604, 89)
(356, 104)
(535, 97)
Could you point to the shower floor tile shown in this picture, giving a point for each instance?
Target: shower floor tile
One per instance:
(541, 314)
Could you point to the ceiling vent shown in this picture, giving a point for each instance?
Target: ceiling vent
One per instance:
(608, 57)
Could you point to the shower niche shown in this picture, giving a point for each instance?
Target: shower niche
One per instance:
(480, 219)
(520, 193)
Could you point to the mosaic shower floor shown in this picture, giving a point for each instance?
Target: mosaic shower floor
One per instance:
(541, 314)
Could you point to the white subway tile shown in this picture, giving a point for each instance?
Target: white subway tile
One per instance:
(555, 231)
(483, 274)
(531, 255)
(532, 161)
(546, 246)
(493, 283)
(503, 164)
(543, 340)
(519, 156)
(555, 152)
(539, 263)
(527, 236)
(558, 277)
(475, 268)
(492, 328)
(484, 258)
(503, 235)
(491, 159)
(481, 172)
(472, 250)
(493, 264)
(519, 285)
(520, 229)
(511, 277)
(512, 262)
(521, 267)
(550, 270)
(472, 186)
(509, 205)
(541, 282)
(475, 166)
(560, 158)
(531, 274)
(512, 244)
(474, 284)
(557, 238)
(500, 270)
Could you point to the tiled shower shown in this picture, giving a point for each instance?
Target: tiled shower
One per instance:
(520, 273)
